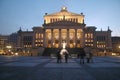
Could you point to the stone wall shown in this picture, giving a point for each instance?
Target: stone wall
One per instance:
(37, 51)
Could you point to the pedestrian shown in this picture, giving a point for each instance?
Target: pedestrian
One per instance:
(78, 55)
(88, 57)
(66, 57)
(82, 55)
(58, 57)
(91, 57)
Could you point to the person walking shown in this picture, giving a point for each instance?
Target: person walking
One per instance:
(58, 57)
(82, 55)
(91, 57)
(88, 57)
(66, 57)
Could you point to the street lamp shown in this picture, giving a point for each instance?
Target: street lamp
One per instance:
(9, 49)
(119, 46)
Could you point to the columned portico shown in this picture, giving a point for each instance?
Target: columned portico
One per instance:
(56, 37)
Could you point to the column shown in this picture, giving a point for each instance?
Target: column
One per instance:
(75, 38)
(34, 38)
(68, 38)
(94, 40)
(44, 39)
(52, 38)
(83, 38)
(59, 38)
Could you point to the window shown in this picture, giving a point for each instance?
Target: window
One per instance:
(36, 35)
(27, 41)
(85, 35)
(89, 39)
(101, 44)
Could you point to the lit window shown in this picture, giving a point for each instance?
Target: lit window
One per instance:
(37, 36)
(56, 35)
(41, 44)
(41, 35)
(91, 40)
(78, 35)
(41, 40)
(64, 35)
(85, 35)
(91, 44)
(49, 35)
(88, 40)
(91, 35)
(71, 35)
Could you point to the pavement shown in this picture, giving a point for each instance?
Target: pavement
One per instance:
(46, 68)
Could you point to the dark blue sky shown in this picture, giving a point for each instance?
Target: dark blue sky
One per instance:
(28, 13)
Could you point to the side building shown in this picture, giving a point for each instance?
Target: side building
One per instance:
(3, 43)
(116, 45)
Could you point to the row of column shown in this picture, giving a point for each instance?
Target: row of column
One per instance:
(60, 38)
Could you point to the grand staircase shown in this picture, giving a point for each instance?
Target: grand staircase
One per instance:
(53, 51)
(49, 51)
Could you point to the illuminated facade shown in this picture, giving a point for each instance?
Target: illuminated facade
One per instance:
(3, 43)
(65, 27)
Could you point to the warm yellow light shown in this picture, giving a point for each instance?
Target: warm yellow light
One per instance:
(36, 35)
(74, 43)
(16, 54)
(64, 45)
(114, 54)
(49, 36)
(63, 8)
(8, 47)
(53, 43)
(119, 47)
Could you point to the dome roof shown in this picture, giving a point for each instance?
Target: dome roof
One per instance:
(65, 12)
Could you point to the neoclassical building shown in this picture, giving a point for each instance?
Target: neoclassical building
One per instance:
(67, 28)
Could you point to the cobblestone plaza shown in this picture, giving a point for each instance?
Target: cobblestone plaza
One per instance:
(46, 68)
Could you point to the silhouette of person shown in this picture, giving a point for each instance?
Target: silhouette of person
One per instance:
(88, 57)
(78, 55)
(66, 57)
(82, 55)
(91, 57)
(58, 57)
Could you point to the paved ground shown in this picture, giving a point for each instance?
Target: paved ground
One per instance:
(44, 68)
